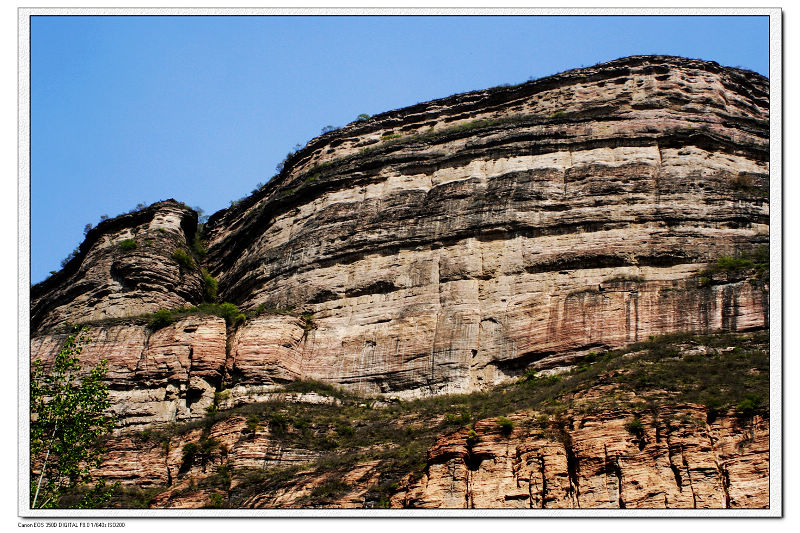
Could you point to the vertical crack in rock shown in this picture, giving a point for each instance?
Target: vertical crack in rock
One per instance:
(607, 467)
(726, 483)
(516, 466)
(166, 463)
(433, 354)
(565, 173)
(431, 376)
(657, 174)
(192, 395)
(473, 463)
(688, 476)
(618, 473)
(676, 472)
(538, 498)
(573, 467)
(724, 475)
(452, 472)
(469, 502)
(611, 465)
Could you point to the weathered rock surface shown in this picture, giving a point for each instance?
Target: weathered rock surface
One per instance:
(444, 248)
(104, 281)
(449, 246)
(614, 433)
(579, 461)
(507, 227)
(154, 377)
(594, 461)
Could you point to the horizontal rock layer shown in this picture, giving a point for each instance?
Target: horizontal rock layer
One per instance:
(582, 461)
(448, 246)
(154, 377)
(106, 281)
(595, 461)
(174, 373)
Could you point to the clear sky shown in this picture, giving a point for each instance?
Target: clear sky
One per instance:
(128, 110)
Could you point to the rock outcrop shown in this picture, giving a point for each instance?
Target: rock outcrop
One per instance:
(596, 461)
(107, 279)
(678, 460)
(449, 246)
(154, 377)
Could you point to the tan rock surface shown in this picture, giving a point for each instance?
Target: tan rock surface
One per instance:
(104, 281)
(158, 376)
(489, 235)
(594, 461)
(576, 461)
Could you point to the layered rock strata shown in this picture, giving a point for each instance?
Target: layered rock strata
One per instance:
(449, 245)
(452, 245)
(596, 461)
(678, 460)
(107, 279)
(154, 377)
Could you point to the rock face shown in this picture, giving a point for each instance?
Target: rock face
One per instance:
(581, 461)
(448, 246)
(597, 462)
(107, 281)
(154, 377)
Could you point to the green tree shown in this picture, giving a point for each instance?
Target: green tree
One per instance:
(68, 417)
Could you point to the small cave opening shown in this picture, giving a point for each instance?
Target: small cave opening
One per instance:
(473, 462)
(193, 396)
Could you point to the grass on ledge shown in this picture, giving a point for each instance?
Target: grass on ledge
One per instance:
(727, 372)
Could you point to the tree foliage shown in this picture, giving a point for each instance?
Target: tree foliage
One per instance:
(68, 417)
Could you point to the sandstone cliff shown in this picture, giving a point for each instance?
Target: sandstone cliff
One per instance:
(123, 268)
(625, 431)
(510, 227)
(449, 246)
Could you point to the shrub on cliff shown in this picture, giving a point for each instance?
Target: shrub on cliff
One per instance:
(733, 264)
(215, 501)
(161, 318)
(73, 254)
(231, 314)
(68, 417)
(189, 453)
(127, 245)
(747, 407)
(506, 425)
(181, 257)
(210, 287)
(635, 427)
(198, 245)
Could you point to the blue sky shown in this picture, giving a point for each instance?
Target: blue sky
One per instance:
(201, 109)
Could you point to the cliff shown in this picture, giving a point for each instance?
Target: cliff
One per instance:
(123, 268)
(678, 422)
(447, 248)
